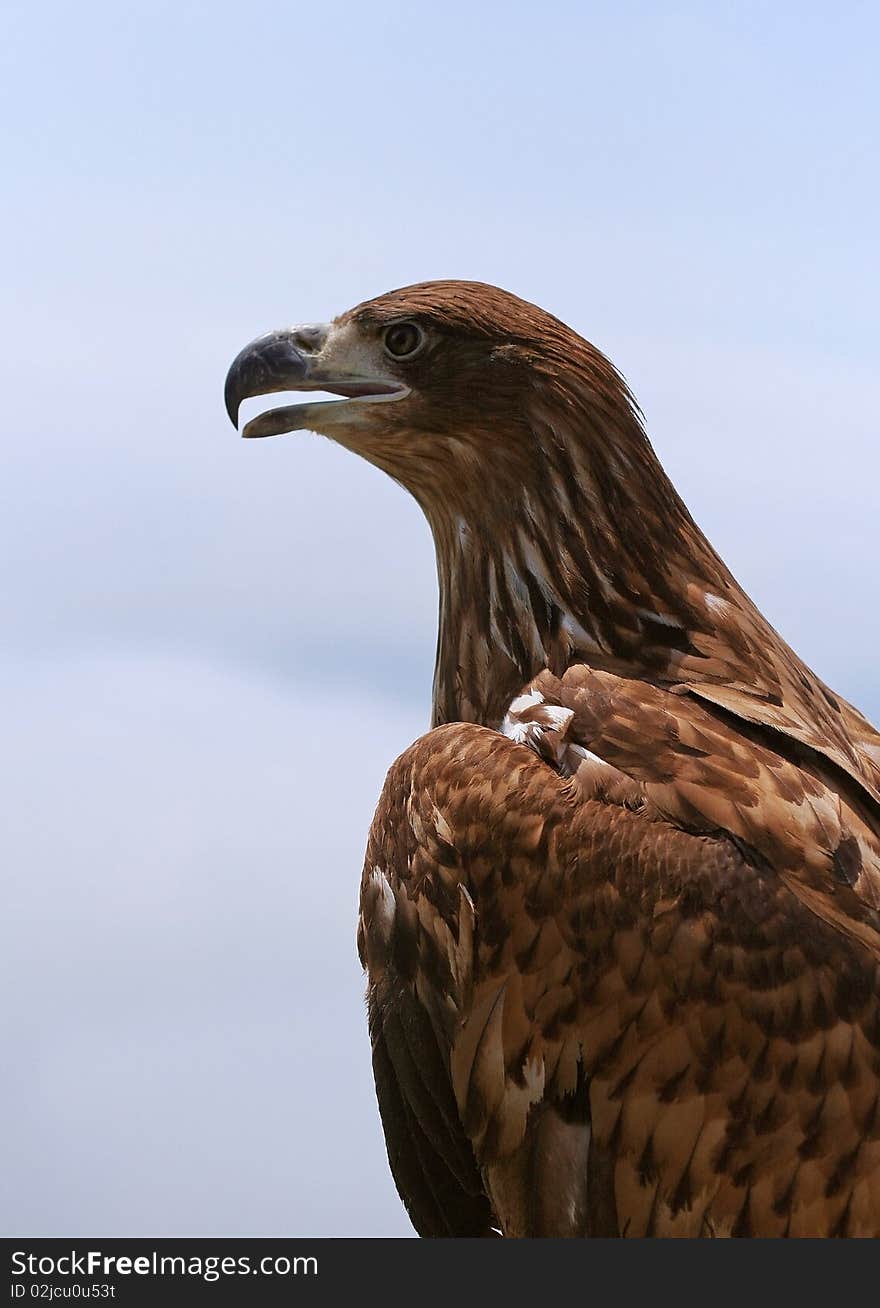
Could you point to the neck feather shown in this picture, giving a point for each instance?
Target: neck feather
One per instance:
(585, 554)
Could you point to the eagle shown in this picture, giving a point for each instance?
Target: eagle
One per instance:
(620, 906)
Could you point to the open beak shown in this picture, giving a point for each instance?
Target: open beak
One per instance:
(291, 360)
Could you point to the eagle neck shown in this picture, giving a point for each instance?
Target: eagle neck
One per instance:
(568, 573)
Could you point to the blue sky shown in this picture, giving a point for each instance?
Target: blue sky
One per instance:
(215, 649)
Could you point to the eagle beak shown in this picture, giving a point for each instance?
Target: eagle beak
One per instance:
(278, 361)
(290, 360)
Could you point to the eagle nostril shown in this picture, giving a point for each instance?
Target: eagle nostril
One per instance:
(309, 338)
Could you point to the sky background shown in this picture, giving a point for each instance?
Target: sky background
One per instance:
(214, 649)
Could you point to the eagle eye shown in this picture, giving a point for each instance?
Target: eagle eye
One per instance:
(403, 339)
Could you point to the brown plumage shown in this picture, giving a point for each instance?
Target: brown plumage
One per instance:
(620, 909)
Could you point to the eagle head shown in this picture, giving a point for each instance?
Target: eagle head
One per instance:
(557, 534)
(443, 385)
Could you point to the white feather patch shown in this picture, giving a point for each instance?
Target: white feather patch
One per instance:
(529, 699)
(715, 604)
(583, 752)
(529, 720)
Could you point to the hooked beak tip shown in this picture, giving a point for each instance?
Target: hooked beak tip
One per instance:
(274, 362)
(232, 407)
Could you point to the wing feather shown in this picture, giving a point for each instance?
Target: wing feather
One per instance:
(643, 1023)
(430, 1156)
